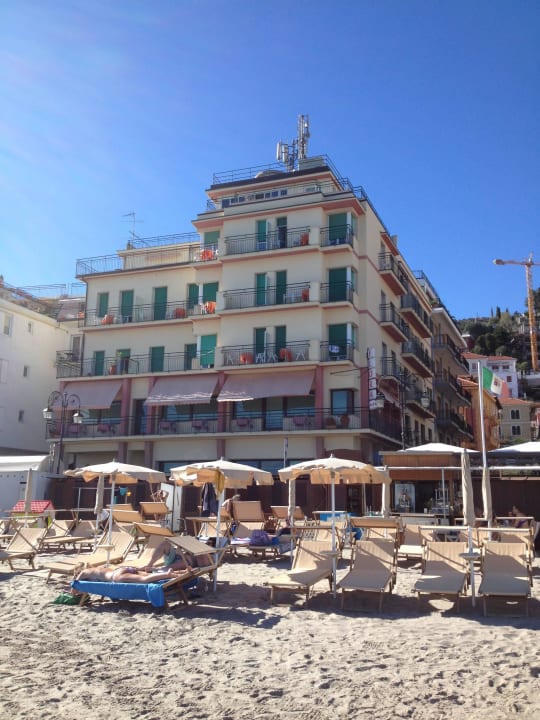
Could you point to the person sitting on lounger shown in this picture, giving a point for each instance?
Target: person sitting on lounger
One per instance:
(519, 522)
(174, 559)
(125, 574)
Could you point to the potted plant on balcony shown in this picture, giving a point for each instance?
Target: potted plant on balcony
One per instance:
(179, 312)
(304, 239)
(246, 358)
(285, 355)
(305, 294)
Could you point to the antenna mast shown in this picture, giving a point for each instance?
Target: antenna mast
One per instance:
(289, 155)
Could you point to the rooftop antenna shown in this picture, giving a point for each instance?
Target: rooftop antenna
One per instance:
(289, 155)
(134, 236)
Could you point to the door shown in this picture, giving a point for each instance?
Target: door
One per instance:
(281, 287)
(98, 362)
(261, 281)
(157, 358)
(337, 284)
(281, 224)
(160, 303)
(337, 228)
(262, 232)
(208, 350)
(280, 335)
(193, 295)
(190, 352)
(337, 342)
(102, 304)
(123, 357)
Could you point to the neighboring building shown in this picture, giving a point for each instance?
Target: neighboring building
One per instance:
(289, 323)
(491, 409)
(451, 399)
(502, 365)
(31, 331)
(517, 421)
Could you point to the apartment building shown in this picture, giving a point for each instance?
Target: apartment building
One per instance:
(32, 329)
(287, 322)
(517, 421)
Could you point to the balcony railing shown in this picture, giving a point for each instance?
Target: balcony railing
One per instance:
(444, 342)
(144, 313)
(417, 356)
(392, 321)
(133, 365)
(336, 292)
(342, 235)
(272, 353)
(273, 295)
(392, 271)
(308, 420)
(336, 351)
(273, 240)
(410, 306)
(446, 382)
(451, 418)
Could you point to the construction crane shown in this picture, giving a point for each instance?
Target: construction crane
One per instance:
(528, 264)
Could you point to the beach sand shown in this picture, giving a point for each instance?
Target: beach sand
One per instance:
(233, 655)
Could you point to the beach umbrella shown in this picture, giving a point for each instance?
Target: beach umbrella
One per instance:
(222, 474)
(331, 471)
(486, 495)
(116, 472)
(468, 512)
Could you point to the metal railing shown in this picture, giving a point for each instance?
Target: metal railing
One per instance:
(272, 295)
(297, 351)
(273, 240)
(336, 236)
(336, 292)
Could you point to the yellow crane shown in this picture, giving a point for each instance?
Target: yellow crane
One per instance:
(528, 264)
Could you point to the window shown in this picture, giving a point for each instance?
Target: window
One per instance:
(341, 402)
(211, 238)
(102, 304)
(126, 305)
(514, 415)
(26, 371)
(8, 324)
(98, 362)
(516, 430)
(337, 228)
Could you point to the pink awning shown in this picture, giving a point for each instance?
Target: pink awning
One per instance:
(94, 394)
(249, 386)
(189, 390)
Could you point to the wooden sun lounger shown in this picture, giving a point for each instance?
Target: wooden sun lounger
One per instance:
(373, 568)
(505, 573)
(121, 543)
(413, 540)
(312, 563)
(444, 572)
(24, 545)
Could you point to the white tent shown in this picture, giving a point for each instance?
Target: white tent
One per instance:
(14, 477)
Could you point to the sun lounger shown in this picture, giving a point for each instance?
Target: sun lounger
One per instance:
(249, 513)
(82, 534)
(121, 543)
(154, 510)
(445, 572)
(24, 545)
(373, 568)
(312, 563)
(505, 573)
(413, 540)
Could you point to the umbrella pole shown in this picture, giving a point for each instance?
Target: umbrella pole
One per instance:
(333, 508)
(471, 566)
(292, 507)
(109, 539)
(221, 498)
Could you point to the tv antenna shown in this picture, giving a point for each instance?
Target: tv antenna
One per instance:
(289, 155)
(133, 221)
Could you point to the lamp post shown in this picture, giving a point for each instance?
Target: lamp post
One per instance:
(67, 403)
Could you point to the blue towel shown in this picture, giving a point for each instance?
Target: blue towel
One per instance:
(151, 592)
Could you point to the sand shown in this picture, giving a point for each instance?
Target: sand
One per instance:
(233, 655)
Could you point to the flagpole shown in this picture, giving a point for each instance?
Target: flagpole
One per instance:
(482, 427)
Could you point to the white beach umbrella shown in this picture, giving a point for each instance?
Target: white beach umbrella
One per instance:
(222, 474)
(469, 516)
(331, 471)
(117, 472)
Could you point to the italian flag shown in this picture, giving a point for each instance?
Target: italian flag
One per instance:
(492, 382)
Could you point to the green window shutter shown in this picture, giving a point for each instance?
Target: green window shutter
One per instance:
(260, 283)
(260, 340)
(160, 303)
(337, 280)
(211, 238)
(126, 305)
(262, 230)
(210, 291)
(337, 227)
(98, 362)
(103, 303)
(190, 352)
(337, 341)
(280, 334)
(193, 295)
(281, 286)
(157, 357)
(208, 350)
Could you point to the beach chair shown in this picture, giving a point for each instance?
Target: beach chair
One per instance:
(413, 540)
(372, 570)
(444, 571)
(312, 563)
(57, 529)
(374, 528)
(24, 545)
(280, 515)
(81, 534)
(249, 513)
(156, 511)
(116, 552)
(505, 573)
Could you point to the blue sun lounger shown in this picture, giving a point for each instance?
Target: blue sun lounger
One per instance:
(153, 593)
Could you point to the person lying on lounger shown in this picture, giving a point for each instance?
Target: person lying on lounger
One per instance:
(126, 574)
(174, 559)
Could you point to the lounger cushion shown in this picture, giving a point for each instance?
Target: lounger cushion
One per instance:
(151, 592)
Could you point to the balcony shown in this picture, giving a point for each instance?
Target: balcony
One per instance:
(279, 239)
(273, 295)
(392, 322)
(336, 351)
(336, 236)
(147, 313)
(416, 316)
(448, 385)
(417, 357)
(235, 355)
(452, 420)
(337, 292)
(444, 343)
(116, 429)
(392, 273)
(133, 365)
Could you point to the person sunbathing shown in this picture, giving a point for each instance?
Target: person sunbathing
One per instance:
(127, 574)
(175, 559)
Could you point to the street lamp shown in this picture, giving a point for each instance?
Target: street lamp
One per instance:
(68, 403)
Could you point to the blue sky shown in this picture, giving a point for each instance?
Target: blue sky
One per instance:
(110, 107)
